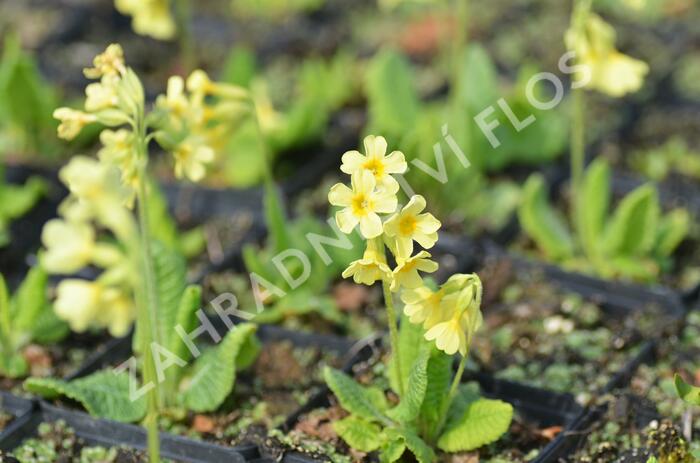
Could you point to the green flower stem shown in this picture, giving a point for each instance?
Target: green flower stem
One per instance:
(148, 303)
(5, 321)
(459, 44)
(183, 13)
(450, 397)
(578, 141)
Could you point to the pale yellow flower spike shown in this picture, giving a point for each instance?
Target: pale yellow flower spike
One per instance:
(149, 17)
(69, 246)
(423, 305)
(377, 162)
(361, 204)
(108, 63)
(72, 122)
(609, 71)
(410, 225)
(372, 267)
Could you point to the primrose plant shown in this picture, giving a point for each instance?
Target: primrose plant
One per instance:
(637, 240)
(434, 412)
(142, 280)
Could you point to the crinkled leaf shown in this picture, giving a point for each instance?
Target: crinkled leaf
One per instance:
(214, 373)
(30, 301)
(358, 433)
(416, 445)
(473, 423)
(542, 223)
(392, 450)
(352, 396)
(439, 378)
(104, 394)
(410, 342)
(410, 405)
(171, 280)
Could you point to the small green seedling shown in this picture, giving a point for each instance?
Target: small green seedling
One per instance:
(26, 317)
(635, 242)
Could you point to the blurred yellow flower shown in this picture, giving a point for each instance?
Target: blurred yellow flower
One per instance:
(372, 267)
(69, 246)
(108, 63)
(149, 17)
(376, 161)
(72, 122)
(86, 304)
(175, 100)
(410, 225)
(609, 71)
(101, 95)
(406, 273)
(191, 159)
(93, 182)
(361, 204)
(119, 150)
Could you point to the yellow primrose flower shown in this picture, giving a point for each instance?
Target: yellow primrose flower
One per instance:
(268, 118)
(376, 162)
(69, 246)
(119, 312)
(610, 71)
(361, 204)
(149, 17)
(372, 267)
(101, 95)
(406, 273)
(175, 100)
(463, 301)
(72, 122)
(119, 150)
(78, 303)
(201, 85)
(94, 182)
(410, 225)
(191, 158)
(108, 63)
(423, 305)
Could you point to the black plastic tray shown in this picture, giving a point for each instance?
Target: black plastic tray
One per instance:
(15, 406)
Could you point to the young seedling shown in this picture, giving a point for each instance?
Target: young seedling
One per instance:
(26, 317)
(140, 280)
(434, 411)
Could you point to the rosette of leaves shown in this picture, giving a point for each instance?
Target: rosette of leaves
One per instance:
(414, 424)
(26, 317)
(198, 384)
(636, 241)
(311, 296)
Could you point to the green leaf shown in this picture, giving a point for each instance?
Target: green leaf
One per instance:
(187, 319)
(475, 423)
(275, 219)
(392, 99)
(392, 450)
(687, 392)
(239, 68)
(49, 328)
(632, 231)
(15, 201)
(358, 433)
(30, 301)
(439, 377)
(410, 342)
(13, 365)
(104, 394)
(672, 230)
(410, 405)
(416, 445)
(352, 397)
(214, 373)
(592, 204)
(542, 223)
(171, 279)
(478, 72)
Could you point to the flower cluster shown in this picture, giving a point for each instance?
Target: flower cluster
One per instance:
(149, 17)
(609, 71)
(96, 201)
(451, 314)
(192, 125)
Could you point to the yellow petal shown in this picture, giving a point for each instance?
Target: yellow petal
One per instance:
(340, 195)
(370, 226)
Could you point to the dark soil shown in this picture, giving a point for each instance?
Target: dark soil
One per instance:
(537, 334)
(282, 379)
(59, 360)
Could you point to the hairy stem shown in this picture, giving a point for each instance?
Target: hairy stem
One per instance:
(148, 307)
(450, 396)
